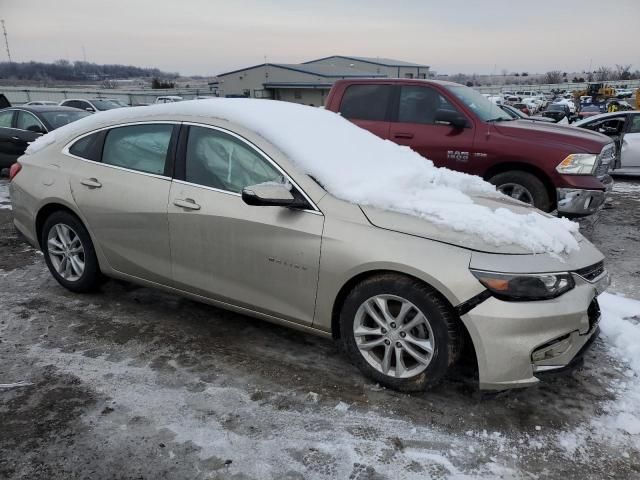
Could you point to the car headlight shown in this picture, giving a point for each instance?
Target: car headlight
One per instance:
(535, 286)
(578, 164)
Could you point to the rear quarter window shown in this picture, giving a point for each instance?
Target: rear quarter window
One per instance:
(366, 102)
(87, 147)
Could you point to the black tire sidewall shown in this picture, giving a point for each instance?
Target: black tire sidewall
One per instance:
(424, 299)
(529, 181)
(90, 279)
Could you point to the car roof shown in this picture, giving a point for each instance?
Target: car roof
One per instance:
(43, 108)
(595, 118)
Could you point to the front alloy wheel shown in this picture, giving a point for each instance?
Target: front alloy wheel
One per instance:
(399, 332)
(393, 336)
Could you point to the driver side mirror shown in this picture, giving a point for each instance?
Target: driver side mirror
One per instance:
(270, 194)
(90, 109)
(449, 117)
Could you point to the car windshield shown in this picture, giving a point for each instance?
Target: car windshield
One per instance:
(486, 110)
(105, 104)
(56, 119)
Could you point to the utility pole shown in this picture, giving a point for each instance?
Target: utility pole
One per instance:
(6, 40)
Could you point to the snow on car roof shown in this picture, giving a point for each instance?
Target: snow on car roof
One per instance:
(354, 165)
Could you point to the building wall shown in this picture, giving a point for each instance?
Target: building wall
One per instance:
(305, 96)
(252, 80)
(391, 72)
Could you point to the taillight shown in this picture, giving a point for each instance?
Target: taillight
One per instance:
(14, 170)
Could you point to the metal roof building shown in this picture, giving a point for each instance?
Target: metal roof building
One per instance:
(309, 82)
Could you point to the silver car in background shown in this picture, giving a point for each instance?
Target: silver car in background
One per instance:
(210, 209)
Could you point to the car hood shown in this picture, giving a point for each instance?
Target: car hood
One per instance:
(413, 225)
(584, 140)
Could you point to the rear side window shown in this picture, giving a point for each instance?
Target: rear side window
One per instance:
(87, 147)
(138, 147)
(366, 102)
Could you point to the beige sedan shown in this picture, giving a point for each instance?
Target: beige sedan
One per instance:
(209, 209)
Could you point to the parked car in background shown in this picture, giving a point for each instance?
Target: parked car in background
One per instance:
(21, 125)
(456, 127)
(624, 93)
(119, 102)
(533, 105)
(557, 112)
(519, 115)
(523, 107)
(92, 105)
(41, 102)
(212, 216)
(589, 110)
(168, 99)
(624, 129)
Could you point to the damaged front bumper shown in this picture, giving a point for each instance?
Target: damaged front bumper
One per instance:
(516, 342)
(579, 202)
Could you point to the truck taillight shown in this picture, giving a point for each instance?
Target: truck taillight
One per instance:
(14, 170)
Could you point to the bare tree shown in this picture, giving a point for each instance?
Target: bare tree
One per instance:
(622, 72)
(554, 76)
(602, 74)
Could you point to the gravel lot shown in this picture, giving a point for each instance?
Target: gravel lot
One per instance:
(132, 383)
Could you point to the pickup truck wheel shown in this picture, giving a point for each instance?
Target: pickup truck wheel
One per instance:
(523, 186)
(399, 332)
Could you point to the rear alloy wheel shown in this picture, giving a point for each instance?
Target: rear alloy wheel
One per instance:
(399, 332)
(69, 252)
(523, 186)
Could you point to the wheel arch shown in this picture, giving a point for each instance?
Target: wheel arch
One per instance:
(45, 212)
(350, 284)
(528, 168)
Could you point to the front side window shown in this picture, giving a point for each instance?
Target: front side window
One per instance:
(474, 100)
(635, 124)
(5, 118)
(138, 147)
(28, 121)
(219, 160)
(366, 102)
(421, 105)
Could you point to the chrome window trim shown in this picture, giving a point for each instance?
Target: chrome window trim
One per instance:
(315, 209)
(65, 149)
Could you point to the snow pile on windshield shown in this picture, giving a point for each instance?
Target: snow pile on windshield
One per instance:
(357, 166)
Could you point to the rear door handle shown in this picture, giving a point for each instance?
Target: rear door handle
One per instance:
(91, 182)
(188, 203)
(403, 135)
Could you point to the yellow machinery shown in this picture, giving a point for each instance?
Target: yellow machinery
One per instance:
(598, 91)
(638, 99)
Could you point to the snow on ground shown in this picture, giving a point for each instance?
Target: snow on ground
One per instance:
(620, 422)
(359, 167)
(5, 200)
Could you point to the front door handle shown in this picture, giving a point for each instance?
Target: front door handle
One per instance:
(91, 182)
(403, 135)
(188, 203)
(15, 138)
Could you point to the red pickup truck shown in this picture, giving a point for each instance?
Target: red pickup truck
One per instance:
(549, 166)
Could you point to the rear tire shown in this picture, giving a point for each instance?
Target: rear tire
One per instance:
(69, 253)
(408, 335)
(531, 191)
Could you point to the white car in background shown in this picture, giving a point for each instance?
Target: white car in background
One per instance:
(169, 99)
(570, 103)
(42, 102)
(90, 105)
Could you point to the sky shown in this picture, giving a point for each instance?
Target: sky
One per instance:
(207, 37)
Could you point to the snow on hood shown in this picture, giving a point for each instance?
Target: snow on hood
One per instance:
(359, 167)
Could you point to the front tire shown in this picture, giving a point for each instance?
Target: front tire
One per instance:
(399, 332)
(69, 253)
(523, 186)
